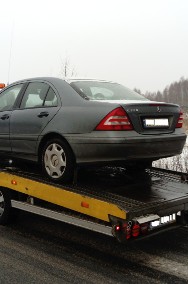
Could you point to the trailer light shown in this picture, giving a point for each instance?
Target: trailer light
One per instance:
(117, 228)
(85, 204)
(14, 182)
(135, 230)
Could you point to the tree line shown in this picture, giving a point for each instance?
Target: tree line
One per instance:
(176, 93)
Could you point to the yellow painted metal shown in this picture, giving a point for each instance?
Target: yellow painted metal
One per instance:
(96, 208)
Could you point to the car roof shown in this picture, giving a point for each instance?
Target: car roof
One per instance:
(66, 79)
(50, 79)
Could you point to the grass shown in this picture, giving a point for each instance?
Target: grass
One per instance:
(177, 163)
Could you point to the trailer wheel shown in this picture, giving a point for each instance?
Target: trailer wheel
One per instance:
(5, 206)
(58, 160)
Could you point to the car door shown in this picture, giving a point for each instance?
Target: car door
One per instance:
(38, 106)
(7, 100)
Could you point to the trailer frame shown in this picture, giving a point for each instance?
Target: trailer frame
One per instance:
(117, 212)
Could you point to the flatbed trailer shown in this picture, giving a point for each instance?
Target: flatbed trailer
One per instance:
(111, 201)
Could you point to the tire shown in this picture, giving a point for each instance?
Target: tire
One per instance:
(58, 161)
(5, 206)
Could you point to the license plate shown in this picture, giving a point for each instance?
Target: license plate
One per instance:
(156, 122)
(166, 220)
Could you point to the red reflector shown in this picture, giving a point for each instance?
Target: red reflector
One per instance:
(180, 120)
(115, 120)
(135, 230)
(85, 204)
(14, 182)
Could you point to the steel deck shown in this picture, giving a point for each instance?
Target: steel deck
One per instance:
(155, 191)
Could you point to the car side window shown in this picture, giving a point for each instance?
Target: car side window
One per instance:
(34, 95)
(9, 96)
(51, 98)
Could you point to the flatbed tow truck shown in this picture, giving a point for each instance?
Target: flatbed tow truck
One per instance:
(111, 201)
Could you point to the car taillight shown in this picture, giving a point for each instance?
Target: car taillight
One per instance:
(117, 119)
(180, 120)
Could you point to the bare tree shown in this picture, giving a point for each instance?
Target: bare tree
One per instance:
(137, 91)
(66, 69)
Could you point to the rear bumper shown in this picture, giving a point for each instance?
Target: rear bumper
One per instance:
(93, 149)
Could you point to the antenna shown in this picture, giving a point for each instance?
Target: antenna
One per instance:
(10, 54)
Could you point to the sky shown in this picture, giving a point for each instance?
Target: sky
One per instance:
(139, 43)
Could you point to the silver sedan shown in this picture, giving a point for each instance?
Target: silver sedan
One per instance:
(64, 123)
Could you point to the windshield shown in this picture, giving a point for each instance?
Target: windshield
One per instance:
(96, 90)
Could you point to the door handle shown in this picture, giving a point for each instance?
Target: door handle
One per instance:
(43, 114)
(5, 116)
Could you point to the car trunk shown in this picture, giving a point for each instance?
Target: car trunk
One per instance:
(153, 117)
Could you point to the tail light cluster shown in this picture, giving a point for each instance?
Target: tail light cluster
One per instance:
(115, 120)
(131, 230)
(180, 120)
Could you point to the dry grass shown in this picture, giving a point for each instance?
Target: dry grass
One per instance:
(177, 163)
(185, 124)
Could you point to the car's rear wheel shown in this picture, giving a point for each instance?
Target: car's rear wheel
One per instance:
(58, 160)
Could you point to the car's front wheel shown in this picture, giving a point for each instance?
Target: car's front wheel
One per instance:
(57, 160)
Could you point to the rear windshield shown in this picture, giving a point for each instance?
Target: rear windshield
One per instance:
(95, 90)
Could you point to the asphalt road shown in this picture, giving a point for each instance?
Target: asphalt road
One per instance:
(38, 250)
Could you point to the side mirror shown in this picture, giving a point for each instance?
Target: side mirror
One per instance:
(2, 85)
